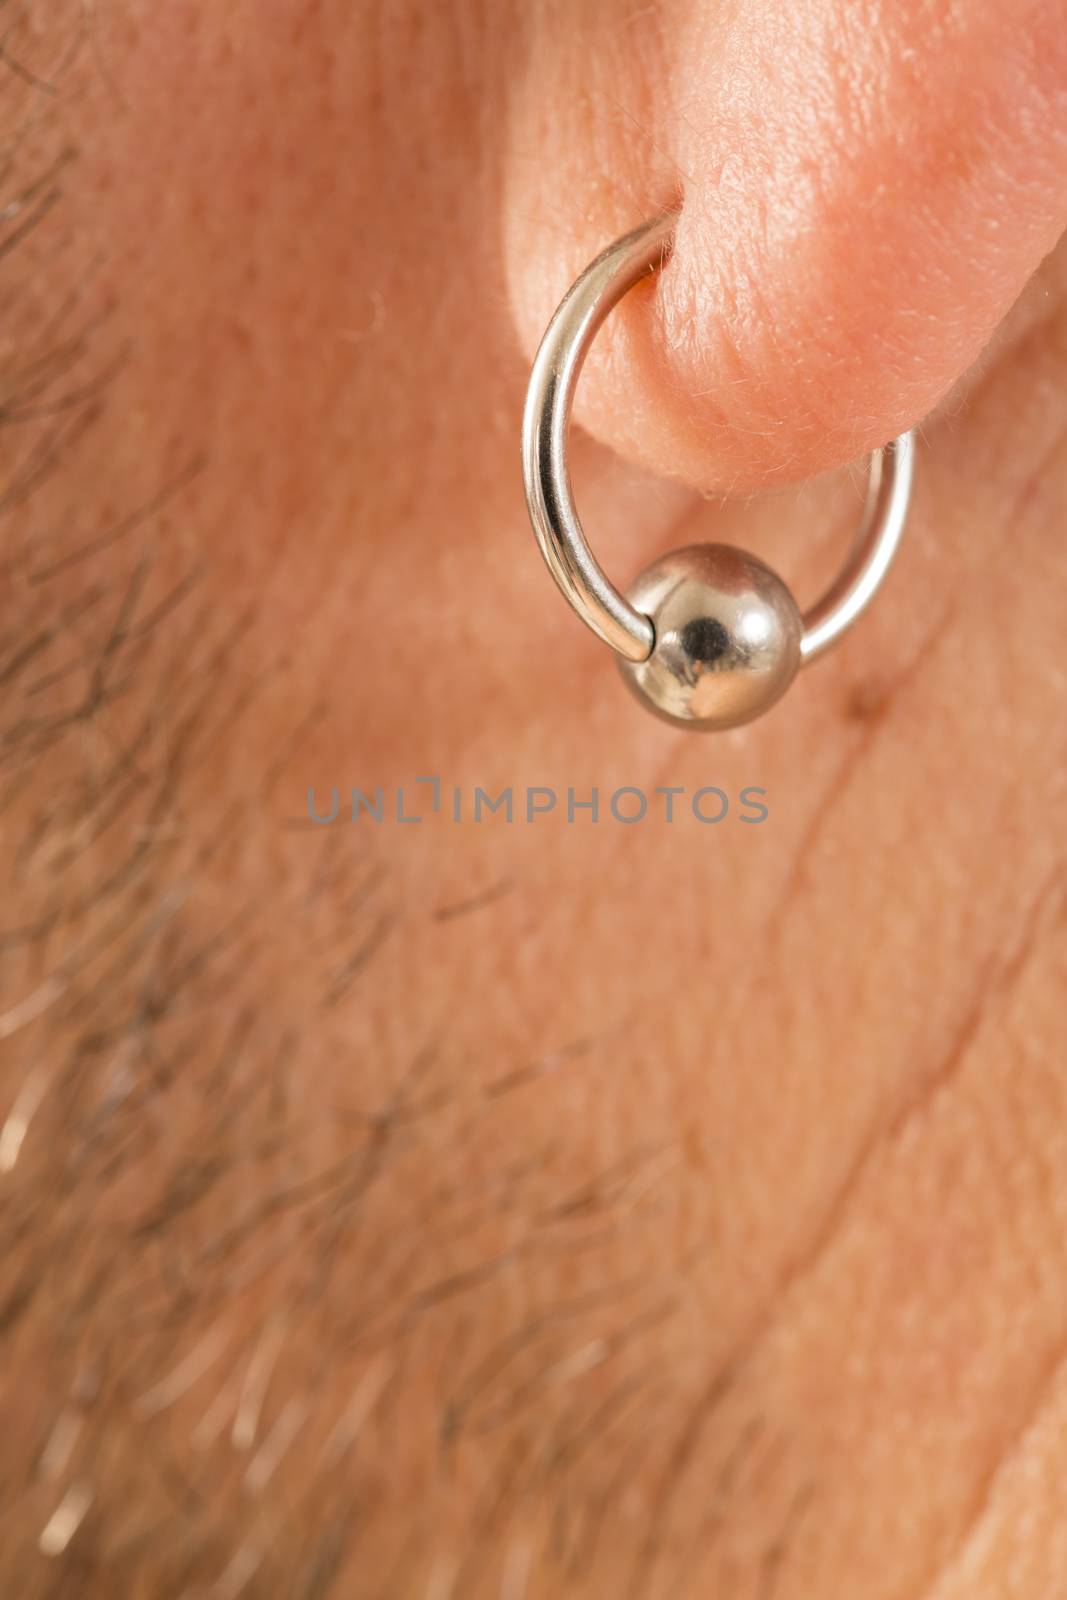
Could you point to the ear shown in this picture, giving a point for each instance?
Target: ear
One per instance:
(865, 188)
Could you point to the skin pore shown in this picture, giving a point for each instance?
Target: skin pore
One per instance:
(551, 1209)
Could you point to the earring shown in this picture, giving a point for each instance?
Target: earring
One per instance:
(708, 637)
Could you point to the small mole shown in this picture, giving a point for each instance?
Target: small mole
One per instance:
(865, 700)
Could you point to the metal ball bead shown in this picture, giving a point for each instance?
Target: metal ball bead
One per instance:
(727, 637)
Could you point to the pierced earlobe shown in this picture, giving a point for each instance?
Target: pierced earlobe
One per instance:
(708, 637)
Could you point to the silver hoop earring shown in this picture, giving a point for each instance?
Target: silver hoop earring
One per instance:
(708, 637)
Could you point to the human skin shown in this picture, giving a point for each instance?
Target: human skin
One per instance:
(544, 1210)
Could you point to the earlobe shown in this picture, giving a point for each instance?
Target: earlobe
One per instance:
(864, 192)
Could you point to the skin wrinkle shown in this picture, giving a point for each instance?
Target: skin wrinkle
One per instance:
(1029, 490)
(1030, 1398)
(1000, 1467)
(1051, 910)
(1012, 1523)
(850, 767)
(992, 987)
(173, 972)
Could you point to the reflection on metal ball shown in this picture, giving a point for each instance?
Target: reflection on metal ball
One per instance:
(727, 637)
